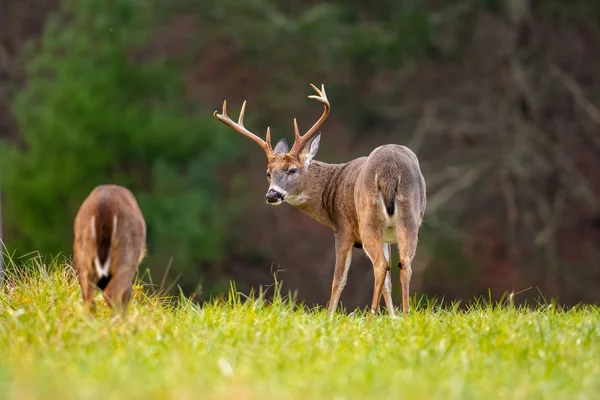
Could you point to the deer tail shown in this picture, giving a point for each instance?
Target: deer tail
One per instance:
(104, 227)
(387, 184)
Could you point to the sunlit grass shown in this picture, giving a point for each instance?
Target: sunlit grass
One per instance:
(248, 349)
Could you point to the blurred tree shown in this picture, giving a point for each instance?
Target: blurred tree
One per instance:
(93, 113)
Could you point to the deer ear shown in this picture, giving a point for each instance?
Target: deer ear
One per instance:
(310, 151)
(281, 147)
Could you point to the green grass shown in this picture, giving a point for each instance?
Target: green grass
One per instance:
(247, 349)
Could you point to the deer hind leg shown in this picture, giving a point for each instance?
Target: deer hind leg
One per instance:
(374, 248)
(126, 298)
(387, 286)
(407, 230)
(118, 291)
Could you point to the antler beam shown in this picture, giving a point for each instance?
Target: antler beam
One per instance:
(240, 128)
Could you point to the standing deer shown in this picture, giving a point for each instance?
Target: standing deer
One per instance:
(369, 202)
(110, 243)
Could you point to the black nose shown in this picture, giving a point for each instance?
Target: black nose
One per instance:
(273, 196)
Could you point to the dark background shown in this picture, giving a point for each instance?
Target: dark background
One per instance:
(500, 101)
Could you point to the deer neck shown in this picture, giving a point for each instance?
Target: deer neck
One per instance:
(315, 190)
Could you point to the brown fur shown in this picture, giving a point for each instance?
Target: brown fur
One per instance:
(369, 202)
(125, 248)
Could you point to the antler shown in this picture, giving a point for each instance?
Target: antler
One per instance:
(239, 127)
(300, 141)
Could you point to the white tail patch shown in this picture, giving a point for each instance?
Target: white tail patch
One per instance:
(103, 269)
(384, 209)
(387, 220)
(389, 224)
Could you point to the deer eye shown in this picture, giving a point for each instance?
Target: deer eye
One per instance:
(292, 170)
(269, 174)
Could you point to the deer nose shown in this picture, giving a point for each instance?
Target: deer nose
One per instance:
(274, 196)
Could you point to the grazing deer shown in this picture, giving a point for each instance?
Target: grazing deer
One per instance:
(369, 202)
(110, 243)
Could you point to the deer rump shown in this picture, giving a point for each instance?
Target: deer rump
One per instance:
(397, 178)
(103, 227)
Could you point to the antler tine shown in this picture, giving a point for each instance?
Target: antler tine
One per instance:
(320, 92)
(268, 137)
(239, 127)
(241, 117)
(296, 131)
(300, 141)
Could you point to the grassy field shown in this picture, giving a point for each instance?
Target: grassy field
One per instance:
(242, 349)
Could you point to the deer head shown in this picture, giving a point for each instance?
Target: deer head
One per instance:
(287, 169)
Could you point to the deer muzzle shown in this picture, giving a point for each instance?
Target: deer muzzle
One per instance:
(275, 196)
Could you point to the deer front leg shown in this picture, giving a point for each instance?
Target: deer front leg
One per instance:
(84, 266)
(387, 286)
(343, 258)
(87, 291)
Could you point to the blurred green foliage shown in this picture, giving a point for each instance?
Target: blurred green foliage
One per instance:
(385, 34)
(93, 113)
(344, 43)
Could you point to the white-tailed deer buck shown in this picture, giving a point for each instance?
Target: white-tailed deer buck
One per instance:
(369, 202)
(110, 243)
